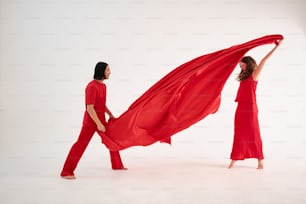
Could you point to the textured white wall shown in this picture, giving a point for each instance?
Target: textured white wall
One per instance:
(48, 50)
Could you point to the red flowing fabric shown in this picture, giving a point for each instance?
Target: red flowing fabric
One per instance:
(180, 99)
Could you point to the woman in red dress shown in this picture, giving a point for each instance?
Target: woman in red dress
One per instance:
(247, 141)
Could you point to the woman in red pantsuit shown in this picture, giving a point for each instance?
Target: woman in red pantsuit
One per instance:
(247, 141)
(94, 120)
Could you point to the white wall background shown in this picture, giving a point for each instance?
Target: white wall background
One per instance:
(48, 50)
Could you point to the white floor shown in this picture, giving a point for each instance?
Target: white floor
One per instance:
(189, 171)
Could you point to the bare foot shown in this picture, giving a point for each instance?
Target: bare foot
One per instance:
(123, 168)
(70, 177)
(260, 164)
(231, 165)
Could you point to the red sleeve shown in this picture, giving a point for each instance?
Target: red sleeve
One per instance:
(90, 95)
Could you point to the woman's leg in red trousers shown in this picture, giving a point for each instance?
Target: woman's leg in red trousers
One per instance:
(116, 160)
(77, 150)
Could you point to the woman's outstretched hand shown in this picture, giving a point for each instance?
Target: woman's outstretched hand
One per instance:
(278, 42)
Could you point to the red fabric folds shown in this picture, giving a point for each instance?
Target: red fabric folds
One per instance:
(180, 99)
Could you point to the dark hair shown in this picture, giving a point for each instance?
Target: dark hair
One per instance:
(100, 71)
(250, 67)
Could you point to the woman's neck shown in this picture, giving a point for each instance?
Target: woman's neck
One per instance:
(100, 81)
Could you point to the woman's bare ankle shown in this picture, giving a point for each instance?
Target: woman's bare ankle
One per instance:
(231, 165)
(260, 164)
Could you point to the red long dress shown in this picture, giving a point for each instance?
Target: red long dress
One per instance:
(247, 141)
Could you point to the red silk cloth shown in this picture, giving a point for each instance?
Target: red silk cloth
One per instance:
(180, 99)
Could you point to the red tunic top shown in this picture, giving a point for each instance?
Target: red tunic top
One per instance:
(247, 91)
(95, 93)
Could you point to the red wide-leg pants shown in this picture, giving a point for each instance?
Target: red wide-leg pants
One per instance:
(78, 149)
